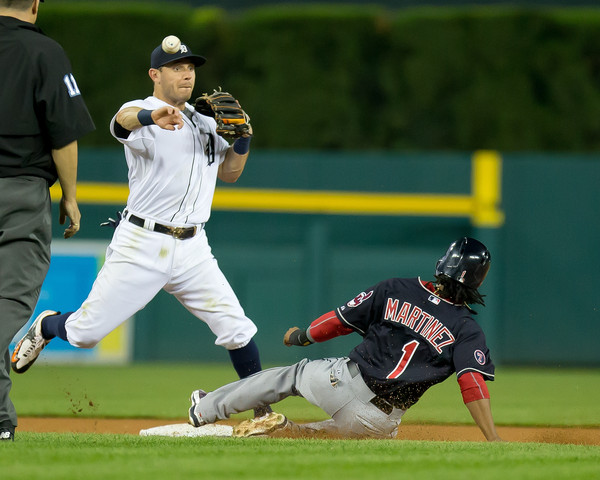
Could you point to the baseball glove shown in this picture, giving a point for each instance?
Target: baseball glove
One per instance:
(232, 121)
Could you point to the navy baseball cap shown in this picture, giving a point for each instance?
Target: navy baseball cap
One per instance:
(159, 57)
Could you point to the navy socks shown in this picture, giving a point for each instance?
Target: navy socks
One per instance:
(246, 360)
(54, 326)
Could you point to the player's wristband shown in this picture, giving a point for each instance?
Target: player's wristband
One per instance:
(299, 338)
(242, 145)
(145, 117)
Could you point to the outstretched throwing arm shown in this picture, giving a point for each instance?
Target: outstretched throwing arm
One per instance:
(168, 118)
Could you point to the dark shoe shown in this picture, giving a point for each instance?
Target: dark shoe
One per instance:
(7, 434)
(262, 411)
(194, 418)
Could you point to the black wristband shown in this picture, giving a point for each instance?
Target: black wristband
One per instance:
(145, 117)
(242, 145)
(299, 338)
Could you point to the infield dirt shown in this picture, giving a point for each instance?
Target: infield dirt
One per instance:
(560, 435)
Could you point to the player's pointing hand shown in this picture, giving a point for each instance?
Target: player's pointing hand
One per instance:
(168, 118)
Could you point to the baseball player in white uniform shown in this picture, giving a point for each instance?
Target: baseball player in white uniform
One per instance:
(174, 157)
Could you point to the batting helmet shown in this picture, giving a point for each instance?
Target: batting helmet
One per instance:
(467, 261)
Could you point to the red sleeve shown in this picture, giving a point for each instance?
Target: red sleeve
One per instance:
(325, 327)
(473, 387)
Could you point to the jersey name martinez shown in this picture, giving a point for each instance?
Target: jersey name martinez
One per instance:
(423, 323)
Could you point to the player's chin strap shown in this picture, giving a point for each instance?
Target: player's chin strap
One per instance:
(210, 145)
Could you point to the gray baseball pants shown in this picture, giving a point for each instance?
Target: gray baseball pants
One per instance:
(25, 236)
(326, 383)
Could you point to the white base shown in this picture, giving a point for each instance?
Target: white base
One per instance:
(187, 430)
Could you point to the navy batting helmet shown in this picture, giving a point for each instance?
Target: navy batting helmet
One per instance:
(467, 261)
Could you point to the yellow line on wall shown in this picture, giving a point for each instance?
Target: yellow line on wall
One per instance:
(298, 201)
(486, 187)
(96, 193)
(482, 206)
(342, 203)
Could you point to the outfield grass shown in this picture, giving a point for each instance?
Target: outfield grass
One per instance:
(519, 396)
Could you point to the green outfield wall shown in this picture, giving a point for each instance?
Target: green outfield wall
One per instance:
(302, 232)
(339, 193)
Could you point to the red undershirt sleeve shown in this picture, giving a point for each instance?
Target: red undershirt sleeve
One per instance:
(325, 327)
(473, 387)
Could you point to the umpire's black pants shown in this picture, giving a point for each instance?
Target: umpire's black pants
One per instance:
(25, 236)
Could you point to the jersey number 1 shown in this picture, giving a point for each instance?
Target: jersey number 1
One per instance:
(408, 351)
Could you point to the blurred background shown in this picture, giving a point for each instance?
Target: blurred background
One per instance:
(383, 131)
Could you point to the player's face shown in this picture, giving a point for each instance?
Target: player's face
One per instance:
(174, 82)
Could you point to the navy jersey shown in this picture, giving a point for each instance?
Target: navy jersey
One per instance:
(413, 339)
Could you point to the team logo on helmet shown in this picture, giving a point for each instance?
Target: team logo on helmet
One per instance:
(479, 357)
(360, 298)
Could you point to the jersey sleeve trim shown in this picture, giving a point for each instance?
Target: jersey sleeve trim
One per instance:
(470, 369)
(341, 317)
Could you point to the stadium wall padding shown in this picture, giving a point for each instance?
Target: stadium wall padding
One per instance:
(288, 268)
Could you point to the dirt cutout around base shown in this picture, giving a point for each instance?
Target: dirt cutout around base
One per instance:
(452, 433)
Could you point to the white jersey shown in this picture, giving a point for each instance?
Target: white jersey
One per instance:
(172, 174)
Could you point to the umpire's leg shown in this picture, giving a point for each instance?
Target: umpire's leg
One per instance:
(25, 235)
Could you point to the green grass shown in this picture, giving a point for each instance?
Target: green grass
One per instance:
(91, 457)
(519, 396)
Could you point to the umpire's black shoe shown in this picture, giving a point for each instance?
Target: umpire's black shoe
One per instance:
(7, 434)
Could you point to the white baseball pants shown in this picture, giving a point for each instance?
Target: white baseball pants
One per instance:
(139, 263)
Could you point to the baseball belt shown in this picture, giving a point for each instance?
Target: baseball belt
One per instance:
(381, 403)
(181, 233)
